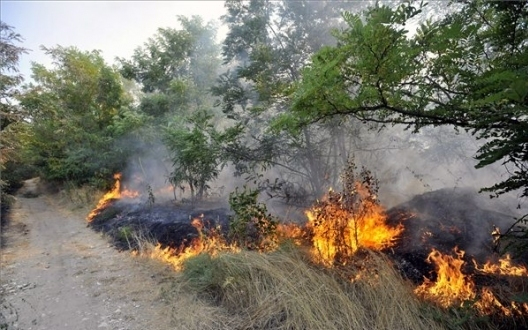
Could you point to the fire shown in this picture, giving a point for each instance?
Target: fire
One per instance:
(115, 193)
(210, 241)
(451, 285)
(340, 227)
(489, 303)
(454, 287)
(505, 267)
(292, 232)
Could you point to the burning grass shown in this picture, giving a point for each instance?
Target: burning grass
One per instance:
(210, 242)
(116, 193)
(343, 280)
(453, 287)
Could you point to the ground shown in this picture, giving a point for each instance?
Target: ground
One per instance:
(56, 273)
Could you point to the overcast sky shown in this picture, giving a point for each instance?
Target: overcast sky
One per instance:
(114, 27)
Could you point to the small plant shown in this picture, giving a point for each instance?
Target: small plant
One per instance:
(124, 234)
(251, 226)
(151, 199)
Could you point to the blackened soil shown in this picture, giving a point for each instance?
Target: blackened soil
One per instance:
(168, 224)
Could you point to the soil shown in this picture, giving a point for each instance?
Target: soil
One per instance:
(56, 273)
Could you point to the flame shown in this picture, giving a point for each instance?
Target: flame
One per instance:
(504, 267)
(339, 230)
(209, 241)
(451, 286)
(112, 194)
(115, 193)
(488, 303)
(454, 287)
(291, 231)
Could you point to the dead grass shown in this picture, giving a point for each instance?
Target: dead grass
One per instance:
(81, 199)
(281, 290)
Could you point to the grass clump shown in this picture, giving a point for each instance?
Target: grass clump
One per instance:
(283, 290)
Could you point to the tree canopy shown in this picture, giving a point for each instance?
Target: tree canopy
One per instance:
(468, 70)
(75, 113)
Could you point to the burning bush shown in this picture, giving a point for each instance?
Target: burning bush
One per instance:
(343, 222)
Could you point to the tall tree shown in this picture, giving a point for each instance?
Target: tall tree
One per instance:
(10, 79)
(467, 70)
(11, 115)
(267, 45)
(175, 68)
(77, 111)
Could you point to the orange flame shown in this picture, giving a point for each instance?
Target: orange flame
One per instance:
(115, 193)
(451, 285)
(488, 303)
(339, 231)
(211, 242)
(505, 267)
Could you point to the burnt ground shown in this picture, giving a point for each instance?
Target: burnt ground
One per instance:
(445, 219)
(167, 223)
(442, 219)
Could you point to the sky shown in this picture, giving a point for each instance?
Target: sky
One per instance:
(115, 28)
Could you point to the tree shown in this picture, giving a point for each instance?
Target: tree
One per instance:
(267, 45)
(195, 153)
(10, 78)
(77, 110)
(174, 68)
(11, 115)
(468, 70)
(457, 71)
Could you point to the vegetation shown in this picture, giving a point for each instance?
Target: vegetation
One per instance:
(282, 290)
(251, 227)
(467, 70)
(11, 115)
(294, 90)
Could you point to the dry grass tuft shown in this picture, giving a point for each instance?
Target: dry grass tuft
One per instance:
(282, 290)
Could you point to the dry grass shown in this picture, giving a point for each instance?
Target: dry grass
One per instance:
(281, 290)
(79, 199)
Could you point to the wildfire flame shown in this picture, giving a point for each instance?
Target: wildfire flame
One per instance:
(210, 242)
(115, 193)
(505, 267)
(453, 287)
(339, 231)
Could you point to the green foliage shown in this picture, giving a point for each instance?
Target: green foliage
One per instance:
(467, 70)
(251, 226)
(11, 115)
(77, 112)
(195, 152)
(268, 54)
(175, 68)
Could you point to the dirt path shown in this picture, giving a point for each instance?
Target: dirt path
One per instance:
(58, 274)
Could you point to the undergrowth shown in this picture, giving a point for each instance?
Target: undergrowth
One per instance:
(284, 290)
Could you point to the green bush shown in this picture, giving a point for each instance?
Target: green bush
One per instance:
(251, 226)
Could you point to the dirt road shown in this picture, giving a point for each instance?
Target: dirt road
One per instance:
(58, 274)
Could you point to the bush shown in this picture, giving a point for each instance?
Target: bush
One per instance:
(251, 226)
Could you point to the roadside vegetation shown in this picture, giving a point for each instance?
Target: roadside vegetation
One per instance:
(294, 91)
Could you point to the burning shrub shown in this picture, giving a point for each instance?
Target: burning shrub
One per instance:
(345, 221)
